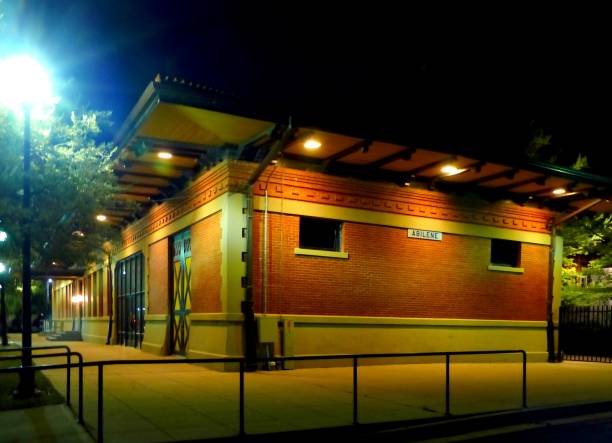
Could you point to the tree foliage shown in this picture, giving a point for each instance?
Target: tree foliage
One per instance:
(71, 180)
(587, 252)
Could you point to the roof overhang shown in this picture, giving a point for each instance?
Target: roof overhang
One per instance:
(200, 127)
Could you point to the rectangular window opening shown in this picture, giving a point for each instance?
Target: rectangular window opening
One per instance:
(506, 253)
(321, 234)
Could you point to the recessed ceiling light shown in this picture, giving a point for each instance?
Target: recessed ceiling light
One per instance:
(311, 143)
(559, 191)
(165, 155)
(451, 170)
(101, 217)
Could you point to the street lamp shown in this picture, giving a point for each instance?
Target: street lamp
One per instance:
(4, 271)
(25, 84)
(78, 299)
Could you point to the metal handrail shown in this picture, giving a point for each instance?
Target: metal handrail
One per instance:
(69, 353)
(242, 365)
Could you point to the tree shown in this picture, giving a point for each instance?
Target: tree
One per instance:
(71, 179)
(587, 252)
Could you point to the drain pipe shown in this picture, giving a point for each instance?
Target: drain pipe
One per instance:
(264, 303)
(250, 325)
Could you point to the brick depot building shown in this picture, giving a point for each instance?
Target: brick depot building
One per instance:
(252, 235)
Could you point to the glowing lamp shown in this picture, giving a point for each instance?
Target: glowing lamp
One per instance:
(312, 144)
(77, 298)
(559, 191)
(165, 155)
(451, 170)
(101, 217)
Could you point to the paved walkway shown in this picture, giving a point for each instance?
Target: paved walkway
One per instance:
(156, 403)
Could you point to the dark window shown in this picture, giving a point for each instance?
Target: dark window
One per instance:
(506, 253)
(319, 233)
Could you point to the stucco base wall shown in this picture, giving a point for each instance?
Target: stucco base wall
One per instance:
(311, 335)
(95, 329)
(156, 334)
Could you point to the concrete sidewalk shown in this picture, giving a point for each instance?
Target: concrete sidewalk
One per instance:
(157, 403)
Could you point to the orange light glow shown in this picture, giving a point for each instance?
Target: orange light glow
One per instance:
(311, 143)
(559, 191)
(451, 170)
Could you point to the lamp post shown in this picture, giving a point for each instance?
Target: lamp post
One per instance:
(25, 84)
(4, 271)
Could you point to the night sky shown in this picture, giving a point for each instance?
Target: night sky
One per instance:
(478, 79)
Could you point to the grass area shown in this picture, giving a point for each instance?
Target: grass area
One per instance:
(8, 382)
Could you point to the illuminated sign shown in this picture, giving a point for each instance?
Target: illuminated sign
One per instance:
(425, 235)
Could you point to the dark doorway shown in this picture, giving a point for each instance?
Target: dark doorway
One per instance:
(130, 300)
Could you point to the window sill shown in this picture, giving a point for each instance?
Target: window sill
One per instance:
(321, 253)
(506, 269)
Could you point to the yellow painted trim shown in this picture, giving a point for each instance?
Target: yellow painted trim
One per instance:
(233, 220)
(203, 354)
(156, 317)
(404, 321)
(295, 207)
(320, 253)
(506, 269)
(179, 224)
(217, 317)
(557, 279)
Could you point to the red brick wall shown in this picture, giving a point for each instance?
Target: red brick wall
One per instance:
(206, 265)
(388, 274)
(159, 294)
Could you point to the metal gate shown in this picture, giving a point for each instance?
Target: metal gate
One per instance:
(181, 292)
(585, 333)
(130, 300)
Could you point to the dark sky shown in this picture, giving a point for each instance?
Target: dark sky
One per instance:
(479, 78)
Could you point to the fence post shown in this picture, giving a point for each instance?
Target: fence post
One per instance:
(69, 363)
(355, 410)
(81, 420)
(100, 403)
(524, 379)
(447, 390)
(242, 432)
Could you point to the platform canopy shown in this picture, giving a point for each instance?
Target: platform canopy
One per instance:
(178, 128)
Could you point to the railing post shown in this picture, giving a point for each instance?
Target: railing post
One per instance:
(447, 390)
(81, 420)
(355, 409)
(69, 363)
(242, 432)
(100, 403)
(524, 379)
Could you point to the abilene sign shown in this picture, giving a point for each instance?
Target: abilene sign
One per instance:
(426, 235)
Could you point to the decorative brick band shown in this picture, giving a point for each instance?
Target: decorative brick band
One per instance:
(320, 188)
(231, 176)
(207, 187)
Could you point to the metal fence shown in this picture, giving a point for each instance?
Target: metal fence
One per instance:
(242, 369)
(68, 354)
(585, 333)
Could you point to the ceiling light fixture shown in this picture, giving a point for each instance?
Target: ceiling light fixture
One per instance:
(451, 170)
(101, 217)
(311, 143)
(165, 155)
(559, 191)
